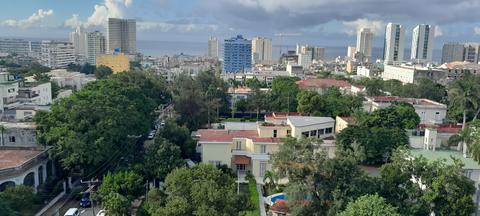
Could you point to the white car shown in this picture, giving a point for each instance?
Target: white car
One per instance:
(102, 213)
(72, 212)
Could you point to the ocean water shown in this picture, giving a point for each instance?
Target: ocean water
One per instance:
(160, 48)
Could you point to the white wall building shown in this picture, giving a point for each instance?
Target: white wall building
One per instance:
(430, 112)
(410, 74)
(213, 48)
(78, 39)
(122, 36)
(351, 50)
(305, 59)
(95, 45)
(35, 93)
(261, 50)
(364, 71)
(57, 54)
(65, 78)
(422, 43)
(394, 43)
(17, 46)
(364, 43)
(452, 52)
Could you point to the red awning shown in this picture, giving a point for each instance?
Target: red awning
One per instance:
(240, 159)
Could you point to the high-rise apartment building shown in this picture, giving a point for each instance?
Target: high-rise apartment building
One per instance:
(364, 43)
(78, 39)
(394, 43)
(351, 50)
(262, 50)
(471, 52)
(122, 36)
(237, 54)
(422, 43)
(315, 53)
(213, 47)
(452, 51)
(17, 46)
(96, 45)
(55, 54)
(319, 54)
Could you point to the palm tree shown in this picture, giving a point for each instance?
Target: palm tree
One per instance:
(270, 179)
(464, 94)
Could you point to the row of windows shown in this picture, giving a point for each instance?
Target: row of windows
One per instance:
(238, 147)
(317, 133)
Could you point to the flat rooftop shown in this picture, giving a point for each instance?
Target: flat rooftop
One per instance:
(413, 101)
(11, 158)
(212, 135)
(302, 121)
(447, 155)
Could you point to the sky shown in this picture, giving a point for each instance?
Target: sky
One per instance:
(318, 22)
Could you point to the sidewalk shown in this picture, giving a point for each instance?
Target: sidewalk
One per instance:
(260, 199)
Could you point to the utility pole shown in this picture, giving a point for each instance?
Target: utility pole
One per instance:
(90, 190)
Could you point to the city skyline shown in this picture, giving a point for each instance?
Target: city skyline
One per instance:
(196, 20)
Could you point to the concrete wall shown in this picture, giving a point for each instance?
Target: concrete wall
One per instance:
(217, 152)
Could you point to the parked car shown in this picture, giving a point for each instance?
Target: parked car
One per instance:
(151, 135)
(102, 213)
(72, 212)
(85, 202)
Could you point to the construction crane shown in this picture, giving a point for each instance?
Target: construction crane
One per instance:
(282, 35)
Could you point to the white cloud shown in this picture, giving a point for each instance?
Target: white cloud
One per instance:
(101, 13)
(438, 31)
(476, 30)
(351, 27)
(35, 18)
(166, 27)
(73, 22)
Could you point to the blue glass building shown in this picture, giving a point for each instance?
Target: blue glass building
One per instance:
(237, 54)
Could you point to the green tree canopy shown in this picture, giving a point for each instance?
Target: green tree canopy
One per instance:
(126, 183)
(102, 72)
(417, 186)
(161, 157)
(332, 103)
(201, 190)
(116, 204)
(369, 205)
(97, 124)
(283, 96)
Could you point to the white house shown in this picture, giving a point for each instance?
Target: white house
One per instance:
(430, 112)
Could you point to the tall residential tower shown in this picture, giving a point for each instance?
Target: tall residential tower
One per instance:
(394, 43)
(122, 36)
(96, 46)
(78, 39)
(364, 43)
(422, 43)
(451, 52)
(237, 54)
(262, 50)
(213, 47)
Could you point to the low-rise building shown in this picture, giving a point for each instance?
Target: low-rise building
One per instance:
(265, 76)
(320, 85)
(410, 74)
(75, 80)
(457, 69)
(35, 93)
(343, 122)
(29, 166)
(430, 112)
(55, 54)
(117, 62)
(247, 150)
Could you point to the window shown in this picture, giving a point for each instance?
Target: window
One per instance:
(321, 131)
(263, 149)
(437, 113)
(238, 145)
(289, 132)
(313, 133)
(241, 167)
(328, 130)
(11, 139)
(305, 134)
(215, 163)
(274, 133)
(263, 168)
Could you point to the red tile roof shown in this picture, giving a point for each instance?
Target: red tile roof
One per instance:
(322, 83)
(14, 157)
(240, 90)
(280, 206)
(443, 128)
(212, 135)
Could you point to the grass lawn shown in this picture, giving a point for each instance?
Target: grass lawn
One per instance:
(251, 189)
